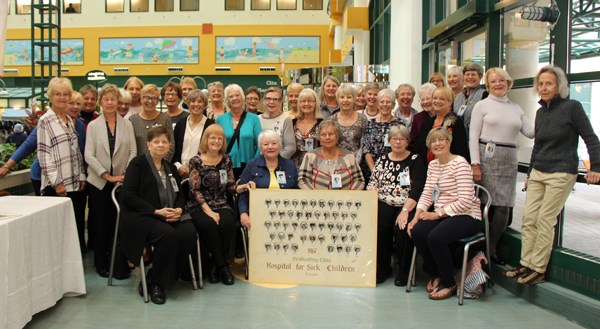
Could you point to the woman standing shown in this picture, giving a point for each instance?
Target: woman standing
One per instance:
(371, 110)
(398, 177)
(441, 101)
(211, 177)
(352, 124)
(330, 167)
(134, 86)
(149, 118)
(456, 213)
(495, 125)
(189, 131)
(241, 129)
(425, 92)
(90, 100)
(293, 91)
(437, 79)
(252, 99)
(376, 141)
(268, 170)
(361, 99)
(328, 96)
(216, 107)
(172, 95)
(454, 76)
(274, 119)
(552, 170)
(110, 146)
(124, 103)
(471, 94)
(152, 213)
(61, 161)
(306, 124)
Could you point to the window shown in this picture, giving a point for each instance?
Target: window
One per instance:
(164, 5)
(260, 5)
(138, 6)
(72, 6)
(234, 4)
(473, 50)
(115, 6)
(585, 40)
(189, 5)
(23, 7)
(286, 4)
(312, 4)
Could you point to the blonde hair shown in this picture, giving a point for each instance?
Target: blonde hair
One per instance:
(109, 88)
(439, 132)
(309, 94)
(57, 84)
(213, 129)
(502, 73)
(133, 80)
(150, 89)
(322, 90)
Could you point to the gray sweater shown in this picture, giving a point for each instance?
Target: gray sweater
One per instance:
(557, 131)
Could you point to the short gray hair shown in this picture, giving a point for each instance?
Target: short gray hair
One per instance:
(268, 134)
(405, 85)
(561, 79)
(399, 130)
(345, 89)
(330, 123)
(233, 87)
(386, 93)
(125, 96)
(473, 67)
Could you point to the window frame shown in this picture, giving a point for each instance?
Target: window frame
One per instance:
(111, 12)
(197, 6)
(260, 9)
(295, 5)
(304, 6)
(65, 7)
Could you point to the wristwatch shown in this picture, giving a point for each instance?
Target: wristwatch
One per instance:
(404, 209)
(439, 213)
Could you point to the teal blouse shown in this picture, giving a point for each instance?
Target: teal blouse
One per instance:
(246, 147)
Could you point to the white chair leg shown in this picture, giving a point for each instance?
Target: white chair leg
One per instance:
(411, 272)
(191, 261)
(199, 255)
(246, 260)
(144, 283)
(463, 274)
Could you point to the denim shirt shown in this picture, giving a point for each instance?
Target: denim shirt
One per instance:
(256, 170)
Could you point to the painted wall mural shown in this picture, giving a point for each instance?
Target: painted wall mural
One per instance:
(268, 49)
(18, 52)
(162, 50)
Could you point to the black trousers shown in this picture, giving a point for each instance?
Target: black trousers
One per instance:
(217, 237)
(101, 204)
(37, 185)
(172, 243)
(390, 238)
(78, 199)
(434, 240)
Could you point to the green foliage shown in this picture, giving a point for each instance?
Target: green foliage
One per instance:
(7, 149)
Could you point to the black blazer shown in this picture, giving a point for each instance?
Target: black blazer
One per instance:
(138, 200)
(460, 142)
(179, 133)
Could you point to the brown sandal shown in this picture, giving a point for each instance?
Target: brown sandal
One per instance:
(442, 293)
(432, 285)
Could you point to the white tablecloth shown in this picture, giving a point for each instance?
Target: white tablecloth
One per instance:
(40, 260)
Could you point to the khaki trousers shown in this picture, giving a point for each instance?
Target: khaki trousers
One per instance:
(546, 196)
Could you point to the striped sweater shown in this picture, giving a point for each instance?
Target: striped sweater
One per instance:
(316, 173)
(455, 181)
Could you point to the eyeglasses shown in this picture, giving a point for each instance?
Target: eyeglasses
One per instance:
(309, 101)
(269, 99)
(252, 99)
(171, 95)
(397, 139)
(216, 138)
(150, 98)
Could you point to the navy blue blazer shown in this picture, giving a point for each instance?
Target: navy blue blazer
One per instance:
(256, 170)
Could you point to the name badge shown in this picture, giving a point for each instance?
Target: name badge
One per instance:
(309, 144)
(404, 179)
(277, 128)
(386, 142)
(461, 110)
(173, 183)
(490, 148)
(223, 176)
(336, 181)
(435, 195)
(280, 177)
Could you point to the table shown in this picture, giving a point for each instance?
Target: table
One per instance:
(40, 260)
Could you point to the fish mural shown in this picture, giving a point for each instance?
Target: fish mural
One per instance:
(175, 50)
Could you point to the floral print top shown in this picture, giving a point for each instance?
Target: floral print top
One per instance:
(301, 141)
(376, 138)
(351, 136)
(206, 183)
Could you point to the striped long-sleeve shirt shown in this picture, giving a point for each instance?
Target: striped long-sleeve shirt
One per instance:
(457, 194)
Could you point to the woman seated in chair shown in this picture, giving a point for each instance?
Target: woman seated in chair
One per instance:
(211, 177)
(330, 167)
(455, 214)
(152, 213)
(269, 170)
(398, 177)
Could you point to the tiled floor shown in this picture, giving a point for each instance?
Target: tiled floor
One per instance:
(246, 305)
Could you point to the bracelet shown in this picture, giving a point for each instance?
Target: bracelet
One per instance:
(5, 166)
(406, 210)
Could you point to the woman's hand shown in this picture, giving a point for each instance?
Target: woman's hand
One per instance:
(245, 187)
(61, 190)
(402, 219)
(214, 215)
(592, 177)
(170, 214)
(245, 220)
(183, 171)
(115, 179)
(476, 172)
(411, 225)
(429, 215)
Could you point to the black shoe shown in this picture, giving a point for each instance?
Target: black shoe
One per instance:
(400, 280)
(121, 275)
(102, 272)
(157, 295)
(497, 260)
(213, 276)
(226, 276)
(382, 275)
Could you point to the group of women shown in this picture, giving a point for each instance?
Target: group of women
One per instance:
(340, 139)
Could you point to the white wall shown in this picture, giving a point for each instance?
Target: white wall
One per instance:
(405, 46)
